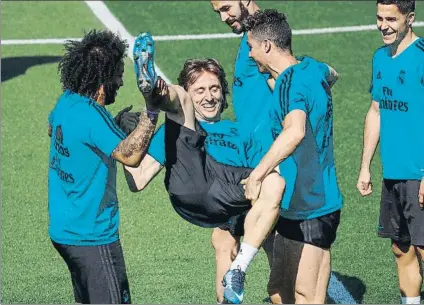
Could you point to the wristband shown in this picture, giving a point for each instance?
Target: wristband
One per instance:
(152, 114)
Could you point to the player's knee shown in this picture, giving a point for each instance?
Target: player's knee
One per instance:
(223, 242)
(273, 188)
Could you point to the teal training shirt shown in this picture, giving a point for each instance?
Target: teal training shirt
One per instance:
(311, 183)
(398, 86)
(83, 205)
(224, 143)
(251, 96)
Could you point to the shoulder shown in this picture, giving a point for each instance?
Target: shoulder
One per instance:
(419, 47)
(380, 53)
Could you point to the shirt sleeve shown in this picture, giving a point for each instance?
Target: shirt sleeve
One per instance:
(324, 69)
(374, 89)
(294, 97)
(104, 133)
(157, 145)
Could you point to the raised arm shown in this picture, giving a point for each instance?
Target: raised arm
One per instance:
(138, 178)
(132, 149)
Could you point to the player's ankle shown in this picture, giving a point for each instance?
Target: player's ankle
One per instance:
(244, 257)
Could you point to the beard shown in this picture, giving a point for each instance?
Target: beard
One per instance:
(110, 94)
(244, 13)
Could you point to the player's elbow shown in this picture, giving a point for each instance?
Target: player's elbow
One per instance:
(133, 161)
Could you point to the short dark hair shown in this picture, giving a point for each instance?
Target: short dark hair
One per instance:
(194, 67)
(271, 25)
(404, 6)
(91, 62)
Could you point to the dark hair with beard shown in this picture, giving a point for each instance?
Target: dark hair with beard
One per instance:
(244, 13)
(92, 62)
(270, 25)
(404, 6)
(194, 67)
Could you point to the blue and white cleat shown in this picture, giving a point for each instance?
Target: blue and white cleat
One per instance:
(233, 283)
(143, 54)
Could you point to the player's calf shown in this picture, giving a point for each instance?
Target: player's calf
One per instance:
(258, 224)
(409, 276)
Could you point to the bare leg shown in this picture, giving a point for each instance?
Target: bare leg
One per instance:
(263, 215)
(410, 278)
(226, 247)
(313, 275)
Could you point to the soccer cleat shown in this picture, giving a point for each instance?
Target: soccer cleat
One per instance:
(143, 54)
(233, 283)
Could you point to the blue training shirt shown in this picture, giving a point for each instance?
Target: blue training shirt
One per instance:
(251, 95)
(224, 142)
(83, 205)
(311, 183)
(398, 86)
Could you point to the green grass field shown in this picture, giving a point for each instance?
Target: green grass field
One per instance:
(169, 260)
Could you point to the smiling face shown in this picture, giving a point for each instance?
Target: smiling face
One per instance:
(207, 97)
(392, 24)
(257, 52)
(232, 13)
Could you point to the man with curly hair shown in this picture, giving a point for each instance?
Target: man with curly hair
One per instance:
(85, 145)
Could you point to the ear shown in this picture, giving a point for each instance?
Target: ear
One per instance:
(410, 18)
(267, 45)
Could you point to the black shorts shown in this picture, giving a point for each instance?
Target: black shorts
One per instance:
(319, 232)
(98, 273)
(401, 218)
(235, 225)
(202, 191)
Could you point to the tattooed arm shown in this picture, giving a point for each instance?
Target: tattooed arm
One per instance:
(132, 149)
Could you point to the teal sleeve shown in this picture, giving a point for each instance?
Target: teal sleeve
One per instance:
(295, 98)
(104, 134)
(374, 89)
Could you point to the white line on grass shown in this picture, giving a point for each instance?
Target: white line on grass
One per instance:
(330, 30)
(102, 12)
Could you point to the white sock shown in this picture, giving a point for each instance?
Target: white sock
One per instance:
(244, 257)
(411, 300)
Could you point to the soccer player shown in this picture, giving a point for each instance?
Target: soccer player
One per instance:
(395, 119)
(203, 191)
(251, 96)
(85, 145)
(302, 147)
(223, 142)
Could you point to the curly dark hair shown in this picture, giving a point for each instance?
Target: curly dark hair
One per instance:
(91, 62)
(270, 25)
(194, 67)
(404, 6)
